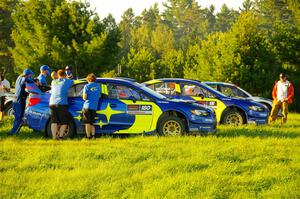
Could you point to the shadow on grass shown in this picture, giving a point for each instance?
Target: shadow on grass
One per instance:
(273, 132)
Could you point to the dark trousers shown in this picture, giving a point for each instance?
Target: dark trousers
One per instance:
(18, 109)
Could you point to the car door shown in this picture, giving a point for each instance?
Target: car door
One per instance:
(202, 96)
(111, 114)
(136, 108)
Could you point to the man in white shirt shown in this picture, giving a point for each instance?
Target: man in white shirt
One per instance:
(283, 93)
(4, 88)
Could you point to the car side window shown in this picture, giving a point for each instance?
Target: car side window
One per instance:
(214, 86)
(232, 91)
(194, 90)
(76, 90)
(241, 93)
(167, 88)
(228, 91)
(118, 91)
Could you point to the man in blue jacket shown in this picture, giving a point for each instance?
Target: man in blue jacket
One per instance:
(20, 102)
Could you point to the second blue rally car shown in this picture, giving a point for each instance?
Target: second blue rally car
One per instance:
(125, 107)
(229, 110)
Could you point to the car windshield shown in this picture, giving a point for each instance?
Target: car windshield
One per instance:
(150, 91)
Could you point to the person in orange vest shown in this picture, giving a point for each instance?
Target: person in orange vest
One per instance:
(283, 93)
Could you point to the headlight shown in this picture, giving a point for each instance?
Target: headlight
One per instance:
(200, 112)
(256, 108)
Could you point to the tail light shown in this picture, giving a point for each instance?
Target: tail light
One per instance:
(33, 101)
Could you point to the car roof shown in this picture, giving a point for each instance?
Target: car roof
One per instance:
(220, 83)
(116, 80)
(191, 81)
(171, 80)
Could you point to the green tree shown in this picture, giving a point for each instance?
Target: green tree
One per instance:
(59, 32)
(246, 6)
(7, 7)
(187, 21)
(127, 24)
(226, 18)
(211, 18)
(140, 65)
(173, 63)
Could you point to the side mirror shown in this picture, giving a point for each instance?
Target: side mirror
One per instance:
(133, 99)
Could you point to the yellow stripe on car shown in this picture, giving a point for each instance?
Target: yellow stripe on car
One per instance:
(154, 81)
(218, 109)
(141, 123)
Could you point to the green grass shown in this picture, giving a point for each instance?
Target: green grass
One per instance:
(238, 162)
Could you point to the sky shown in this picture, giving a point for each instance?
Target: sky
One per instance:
(118, 7)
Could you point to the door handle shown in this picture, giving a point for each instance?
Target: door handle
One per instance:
(113, 105)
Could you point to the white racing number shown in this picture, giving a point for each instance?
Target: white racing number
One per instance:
(139, 109)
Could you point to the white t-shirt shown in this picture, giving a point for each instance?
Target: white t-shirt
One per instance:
(6, 84)
(282, 90)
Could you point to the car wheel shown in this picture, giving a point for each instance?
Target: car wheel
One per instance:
(69, 132)
(9, 110)
(171, 126)
(233, 117)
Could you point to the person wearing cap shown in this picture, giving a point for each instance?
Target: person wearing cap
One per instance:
(69, 73)
(4, 88)
(20, 101)
(45, 71)
(91, 96)
(60, 116)
(283, 93)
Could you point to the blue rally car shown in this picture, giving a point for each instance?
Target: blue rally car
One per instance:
(125, 107)
(228, 110)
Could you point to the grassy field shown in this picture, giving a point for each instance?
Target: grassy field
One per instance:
(238, 162)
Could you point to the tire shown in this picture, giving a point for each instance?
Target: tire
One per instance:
(8, 109)
(171, 126)
(69, 133)
(233, 117)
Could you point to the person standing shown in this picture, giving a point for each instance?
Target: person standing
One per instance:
(283, 93)
(4, 88)
(20, 102)
(44, 72)
(91, 95)
(59, 104)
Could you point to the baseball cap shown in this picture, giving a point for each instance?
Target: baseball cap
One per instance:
(45, 67)
(27, 71)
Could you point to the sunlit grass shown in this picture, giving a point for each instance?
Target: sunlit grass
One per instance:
(238, 162)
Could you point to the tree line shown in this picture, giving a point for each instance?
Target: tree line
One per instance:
(249, 46)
